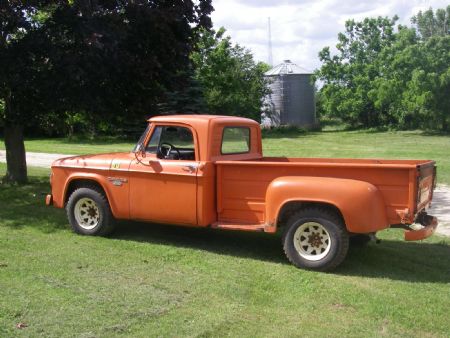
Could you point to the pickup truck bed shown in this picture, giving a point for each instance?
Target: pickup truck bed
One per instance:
(241, 195)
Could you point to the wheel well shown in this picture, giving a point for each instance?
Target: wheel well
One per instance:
(290, 207)
(82, 183)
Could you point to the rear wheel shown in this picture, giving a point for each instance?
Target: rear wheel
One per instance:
(89, 213)
(315, 239)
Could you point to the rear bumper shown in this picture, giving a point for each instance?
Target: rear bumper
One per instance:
(49, 200)
(428, 229)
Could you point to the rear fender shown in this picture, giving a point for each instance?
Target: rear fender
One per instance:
(360, 203)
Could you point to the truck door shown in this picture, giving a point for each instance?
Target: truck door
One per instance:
(163, 184)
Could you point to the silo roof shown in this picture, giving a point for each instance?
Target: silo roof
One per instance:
(285, 68)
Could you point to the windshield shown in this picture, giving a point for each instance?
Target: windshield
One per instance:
(141, 139)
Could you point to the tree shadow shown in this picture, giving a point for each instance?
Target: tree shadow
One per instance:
(301, 133)
(435, 133)
(24, 205)
(290, 133)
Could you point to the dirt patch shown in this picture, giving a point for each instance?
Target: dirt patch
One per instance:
(441, 209)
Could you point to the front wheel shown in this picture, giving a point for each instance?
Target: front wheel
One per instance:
(315, 239)
(89, 213)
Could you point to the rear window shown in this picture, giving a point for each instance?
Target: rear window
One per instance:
(235, 140)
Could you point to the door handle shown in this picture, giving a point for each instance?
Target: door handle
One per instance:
(189, 168)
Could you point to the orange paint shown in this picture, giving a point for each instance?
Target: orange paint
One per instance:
(246, 191)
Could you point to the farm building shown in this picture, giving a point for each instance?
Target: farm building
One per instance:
(291, 101)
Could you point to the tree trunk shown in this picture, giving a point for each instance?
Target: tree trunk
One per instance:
(15, 150)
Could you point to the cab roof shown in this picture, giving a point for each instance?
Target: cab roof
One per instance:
(199, 118)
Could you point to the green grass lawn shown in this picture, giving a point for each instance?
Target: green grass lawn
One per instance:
(359, 144)
(156, 280)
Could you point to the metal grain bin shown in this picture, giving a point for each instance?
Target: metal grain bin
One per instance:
(291, 101)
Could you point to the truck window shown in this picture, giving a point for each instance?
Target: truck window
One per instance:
(235, 140)
(172, 142)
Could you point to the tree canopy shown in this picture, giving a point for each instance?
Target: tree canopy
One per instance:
(384, 75)
(109, 59)
(233, 83)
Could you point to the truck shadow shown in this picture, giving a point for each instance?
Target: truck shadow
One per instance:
(252, 245)
(405, 261)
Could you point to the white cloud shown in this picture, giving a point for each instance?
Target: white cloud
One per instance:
(300, 29)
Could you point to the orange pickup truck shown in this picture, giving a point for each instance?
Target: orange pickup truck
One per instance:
(209, 171)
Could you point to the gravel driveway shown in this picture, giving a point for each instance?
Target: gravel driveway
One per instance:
(440, 207)
(37, 159)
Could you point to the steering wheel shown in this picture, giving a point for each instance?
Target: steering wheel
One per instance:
(167, 150)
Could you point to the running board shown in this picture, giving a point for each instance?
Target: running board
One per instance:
(234, 226)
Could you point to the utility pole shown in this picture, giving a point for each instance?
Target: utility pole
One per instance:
(269, 42)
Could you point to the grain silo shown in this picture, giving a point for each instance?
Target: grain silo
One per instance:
(291, 101)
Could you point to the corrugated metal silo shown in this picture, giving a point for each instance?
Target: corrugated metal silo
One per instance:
(291, 100)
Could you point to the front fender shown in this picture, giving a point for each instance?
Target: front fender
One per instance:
(117, 195)
(360, 203)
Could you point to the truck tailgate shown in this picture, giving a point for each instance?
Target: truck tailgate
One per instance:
(426, 182)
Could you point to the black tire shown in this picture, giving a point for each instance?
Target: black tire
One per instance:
(329, 239)
(360, 240)
(97, 201)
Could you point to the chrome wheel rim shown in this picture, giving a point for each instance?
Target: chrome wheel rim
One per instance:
(312, 241)
(86, 213)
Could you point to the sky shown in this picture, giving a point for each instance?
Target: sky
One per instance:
(301, 28)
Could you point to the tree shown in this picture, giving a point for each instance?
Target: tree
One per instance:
(413, 85)
(108, 59)
(431, 24)
(187, 99)
(396, 64)
(233, 83)
(385, 78)
(20, 66)
(348, 76)
(427, 93)
(430, 82)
